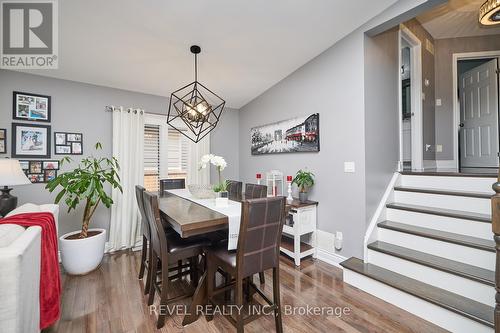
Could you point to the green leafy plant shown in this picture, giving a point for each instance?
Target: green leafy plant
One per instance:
(86, 183)
(304, 180)
(221, 187)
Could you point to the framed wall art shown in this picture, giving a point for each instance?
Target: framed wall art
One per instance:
(68, 143)
(40, 171)
(3, 141)
(30, 141)
(31, 107)
(294, 135)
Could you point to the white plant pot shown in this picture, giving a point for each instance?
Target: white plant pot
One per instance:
(81, 256)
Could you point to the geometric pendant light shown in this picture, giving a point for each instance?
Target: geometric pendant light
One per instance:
(489, 12)
(194, 107)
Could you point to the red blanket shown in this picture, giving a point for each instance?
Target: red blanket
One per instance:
(50, 279)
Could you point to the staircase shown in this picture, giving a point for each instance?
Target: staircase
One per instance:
(431, 250)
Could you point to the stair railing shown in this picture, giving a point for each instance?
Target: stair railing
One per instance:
(495, 222)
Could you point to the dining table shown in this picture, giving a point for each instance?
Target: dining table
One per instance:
(190, 218)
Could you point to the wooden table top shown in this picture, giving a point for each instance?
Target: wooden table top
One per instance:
(188, 218)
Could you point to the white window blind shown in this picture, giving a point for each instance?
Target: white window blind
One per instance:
(152, 157)
(178, 154)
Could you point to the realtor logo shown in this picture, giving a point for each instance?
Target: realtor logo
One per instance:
(29, 34)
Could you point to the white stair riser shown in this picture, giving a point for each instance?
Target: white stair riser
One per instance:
(456, 284)
(428, 311)
(470, 184)
(468, 255)
(467, 204)
(443, 223)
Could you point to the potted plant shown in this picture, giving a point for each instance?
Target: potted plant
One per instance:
(220, 188)
(304, 180)
(82, 251)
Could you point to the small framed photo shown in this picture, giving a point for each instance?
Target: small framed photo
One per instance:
(33, 107)
(50, 175)
(60, 138)
(25, 165)
(51, 165)
(3, 141)
(63, 150)
(35, 166)
(76, 148)
(30, 141)
(68, 143)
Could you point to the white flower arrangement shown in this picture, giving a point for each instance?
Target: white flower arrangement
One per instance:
(220, 163)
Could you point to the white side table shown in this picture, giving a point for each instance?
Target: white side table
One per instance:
(299, 231)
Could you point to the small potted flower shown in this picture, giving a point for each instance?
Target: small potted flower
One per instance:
(220, 188)
(304, 180)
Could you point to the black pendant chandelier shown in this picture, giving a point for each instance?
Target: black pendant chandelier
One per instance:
(194, 106)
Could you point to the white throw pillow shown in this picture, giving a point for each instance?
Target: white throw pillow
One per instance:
(9, 233)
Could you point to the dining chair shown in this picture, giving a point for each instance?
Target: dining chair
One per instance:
(146, 238)
(172, 184)
(254, 191)
(234, 189)
(258, 250)
(169, 249)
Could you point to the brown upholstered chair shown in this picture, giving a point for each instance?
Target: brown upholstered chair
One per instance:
(254, 191)
(234, 189)
(168, 249)
(146, 237)
(258, 250)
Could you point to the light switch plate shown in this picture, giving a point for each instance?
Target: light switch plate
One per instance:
(349, 167)
(439, 148)
(438, 102)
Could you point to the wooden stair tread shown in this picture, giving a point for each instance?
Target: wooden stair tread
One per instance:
(446, 265)
(464, 306)
(442, 212)
(449, 174)
(481, 195)
(444, 236)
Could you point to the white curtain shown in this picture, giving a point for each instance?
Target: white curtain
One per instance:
(196, 151)
(128, 148)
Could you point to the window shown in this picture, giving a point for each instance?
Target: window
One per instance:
(152, 157)
(160, 160)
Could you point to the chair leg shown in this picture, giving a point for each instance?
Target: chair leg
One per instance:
(194, 271)
(147, 288)
(153, 265)
(179, 264)
(277, 300)
(262, 278)
(227, 293)
(163, 297)
(210, 288)
(143, 256)
(239, 305)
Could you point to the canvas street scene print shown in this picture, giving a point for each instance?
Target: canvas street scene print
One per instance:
(299, 134)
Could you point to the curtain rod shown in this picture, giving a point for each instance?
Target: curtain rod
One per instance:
(111, 108)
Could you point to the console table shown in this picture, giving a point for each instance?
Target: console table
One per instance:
(300, 221)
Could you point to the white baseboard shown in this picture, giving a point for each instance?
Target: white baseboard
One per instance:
(330, 257)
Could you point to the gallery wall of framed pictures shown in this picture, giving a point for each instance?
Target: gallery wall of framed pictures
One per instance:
(68, 143)
(40, 171)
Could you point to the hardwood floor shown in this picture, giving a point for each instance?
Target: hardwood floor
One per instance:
(111, 299)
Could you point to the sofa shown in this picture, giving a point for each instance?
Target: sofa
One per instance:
(20, 272)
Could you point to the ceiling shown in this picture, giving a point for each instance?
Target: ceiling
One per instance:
(247, 46)
(456, 18)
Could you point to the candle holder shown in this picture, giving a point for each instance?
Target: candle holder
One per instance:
(289, 198)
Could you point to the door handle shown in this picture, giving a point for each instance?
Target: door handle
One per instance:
(461, 125)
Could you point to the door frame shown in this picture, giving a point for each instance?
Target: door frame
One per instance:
(456, 104)
(417, 153)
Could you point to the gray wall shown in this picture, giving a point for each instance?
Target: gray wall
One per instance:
(79, 107)
(381, 115)
(444, 84)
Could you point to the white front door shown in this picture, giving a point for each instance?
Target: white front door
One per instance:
(479, 116)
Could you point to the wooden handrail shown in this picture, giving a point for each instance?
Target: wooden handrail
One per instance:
(495, 222)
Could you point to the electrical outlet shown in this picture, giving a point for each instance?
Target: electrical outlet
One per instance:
(337, 242)
(439, 148)
(349, 167)
(439, 102)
